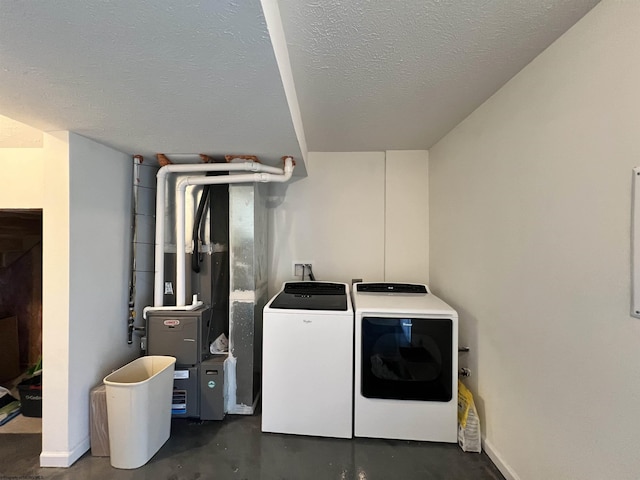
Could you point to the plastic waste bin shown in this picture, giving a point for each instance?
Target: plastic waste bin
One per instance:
(139, 409)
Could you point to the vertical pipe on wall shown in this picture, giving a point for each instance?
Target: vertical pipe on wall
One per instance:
(283, 176)
(158, 296)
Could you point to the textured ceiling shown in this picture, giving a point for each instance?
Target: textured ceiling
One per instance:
(380, 74)
(147, 76)
(202, 77)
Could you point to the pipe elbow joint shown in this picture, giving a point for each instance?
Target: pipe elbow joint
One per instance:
(162, 173)
(288, 164)
(183, 184)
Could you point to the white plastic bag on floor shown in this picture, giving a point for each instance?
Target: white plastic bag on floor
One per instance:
(220, 345)
(469, 434)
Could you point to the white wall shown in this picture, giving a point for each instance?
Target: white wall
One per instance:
(55, 302)
(356, 215)
(406, 256)
(334, 218)
(23, 185)
(15, 134)
(530, 219)
(21, 180)
(86, 245)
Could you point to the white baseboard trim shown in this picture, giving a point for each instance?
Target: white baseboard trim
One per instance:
(498, 461)
(64, 459)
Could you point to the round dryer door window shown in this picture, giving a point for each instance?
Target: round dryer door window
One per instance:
(407, 358)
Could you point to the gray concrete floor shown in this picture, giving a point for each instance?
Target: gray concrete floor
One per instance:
(236, 449)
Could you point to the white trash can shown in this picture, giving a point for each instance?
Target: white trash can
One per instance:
(139, 409)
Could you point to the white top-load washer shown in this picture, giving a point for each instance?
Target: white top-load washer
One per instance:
(406, 363)
(307, 360)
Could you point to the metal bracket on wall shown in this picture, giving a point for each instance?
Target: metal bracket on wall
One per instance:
(635, 244)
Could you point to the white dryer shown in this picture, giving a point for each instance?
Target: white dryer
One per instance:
(406, 363)
(307, 360)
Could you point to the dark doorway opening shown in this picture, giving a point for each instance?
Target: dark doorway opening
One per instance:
(20, 303)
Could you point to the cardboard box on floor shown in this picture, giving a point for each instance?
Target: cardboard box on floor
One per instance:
(99, 426)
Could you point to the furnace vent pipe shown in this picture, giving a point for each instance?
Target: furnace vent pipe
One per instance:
(158, 287)
(282, 176)
(195, 304)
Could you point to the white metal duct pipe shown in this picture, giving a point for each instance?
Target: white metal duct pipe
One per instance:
(181, 188)
(158, 287)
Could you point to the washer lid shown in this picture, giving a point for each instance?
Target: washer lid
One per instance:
(391, 288)
(312, 296)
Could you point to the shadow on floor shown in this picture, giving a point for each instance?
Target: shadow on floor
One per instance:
(236, 449)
